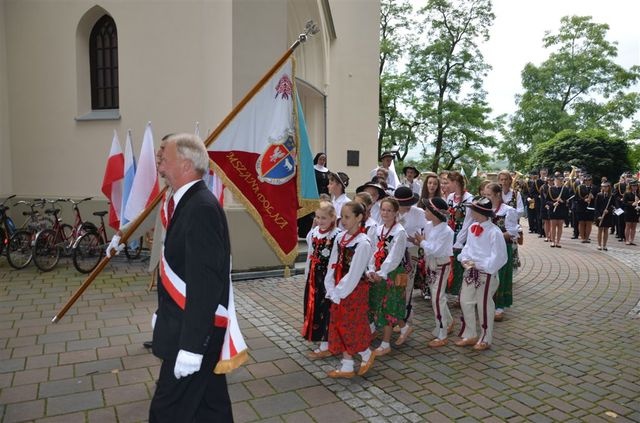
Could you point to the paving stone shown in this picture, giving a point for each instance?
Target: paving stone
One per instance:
(65, 386)
(74, 402)
(23, 411)
(278, 404)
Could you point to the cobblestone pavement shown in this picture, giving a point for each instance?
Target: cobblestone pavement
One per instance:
(568, 350)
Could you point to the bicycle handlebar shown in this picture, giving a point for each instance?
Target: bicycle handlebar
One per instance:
(7, 199)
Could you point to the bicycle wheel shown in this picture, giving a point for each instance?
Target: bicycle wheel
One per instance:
(2, 240)
(133, 248)
(45, 251)
(66, 239)
(20, 250)
(87, 252)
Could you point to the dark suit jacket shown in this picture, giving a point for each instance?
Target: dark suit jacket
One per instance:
(198, 250)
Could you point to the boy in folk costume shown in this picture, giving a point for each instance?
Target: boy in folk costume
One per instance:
(484, 253)
(338, 183)
(320, 242)
(385, 270)
(348, 290)
(438, 249)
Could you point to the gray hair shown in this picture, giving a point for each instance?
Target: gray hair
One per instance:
(191, 147)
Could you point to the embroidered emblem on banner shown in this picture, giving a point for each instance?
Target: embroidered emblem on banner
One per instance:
(276, 165)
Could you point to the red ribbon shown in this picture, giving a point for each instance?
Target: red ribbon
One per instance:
(476, 229)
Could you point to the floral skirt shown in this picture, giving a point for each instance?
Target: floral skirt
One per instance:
(504, 295)
(349, 326)
(386, 303)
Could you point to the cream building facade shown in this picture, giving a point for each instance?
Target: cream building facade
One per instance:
(179, 62)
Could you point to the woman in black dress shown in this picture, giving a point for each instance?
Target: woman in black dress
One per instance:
(557, 196)
(604, 206)
(631, 204)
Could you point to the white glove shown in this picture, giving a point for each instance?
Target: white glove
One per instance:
(153, 320)
(187, 363)
(115, 245)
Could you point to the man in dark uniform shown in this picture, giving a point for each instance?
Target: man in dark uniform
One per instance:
(573, 218)
(533, 199)
(585, 196)
(193, 283)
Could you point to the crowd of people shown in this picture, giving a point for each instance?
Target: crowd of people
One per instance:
(572, 199)
(367, 255)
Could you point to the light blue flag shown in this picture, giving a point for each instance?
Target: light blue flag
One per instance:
(129, 174)
(308, 190)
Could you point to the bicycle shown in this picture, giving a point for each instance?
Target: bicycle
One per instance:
(20, 247)
(7, 226)
(90, 247)
(50, 243)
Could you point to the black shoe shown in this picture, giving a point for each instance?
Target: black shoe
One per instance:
(147, 344)
(574, 237)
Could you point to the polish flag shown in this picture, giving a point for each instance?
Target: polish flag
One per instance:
(145, 185)
(129, 174)
(113, 180)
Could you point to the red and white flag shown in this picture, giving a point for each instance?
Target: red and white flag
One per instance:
(145, 183)
(256, 157)
(113, 180)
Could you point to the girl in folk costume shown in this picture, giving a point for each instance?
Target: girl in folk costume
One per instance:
(414, 223)
(604, 206)
(371, 229)
(510, 197)
(482, 256)
(631, 203)
(557, 197)
(438, 249)
(459, 221)
(348, 290)
(377, 192)
(370, 225)
(387, 275)
(338, 183)
(506, 218)
(316, 306)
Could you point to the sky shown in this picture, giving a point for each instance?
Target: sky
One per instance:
(520, 25)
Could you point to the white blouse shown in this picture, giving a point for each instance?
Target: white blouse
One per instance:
(396, 250)
(349, 281)
(315, 233)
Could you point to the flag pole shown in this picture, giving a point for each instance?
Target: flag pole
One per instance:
(310, 29)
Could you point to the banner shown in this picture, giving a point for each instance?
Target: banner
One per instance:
(256, 157)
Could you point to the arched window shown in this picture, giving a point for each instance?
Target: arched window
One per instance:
(103, 60)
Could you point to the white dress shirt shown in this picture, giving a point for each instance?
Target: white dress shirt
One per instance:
(488, 250)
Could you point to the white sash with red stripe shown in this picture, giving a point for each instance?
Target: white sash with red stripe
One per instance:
(234, 349)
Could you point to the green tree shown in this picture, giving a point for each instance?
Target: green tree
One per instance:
(396, 126)
(578, 87)
(446, 69)
(592, 149)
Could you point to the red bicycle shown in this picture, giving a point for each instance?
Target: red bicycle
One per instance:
(51, 243)
(90, 247)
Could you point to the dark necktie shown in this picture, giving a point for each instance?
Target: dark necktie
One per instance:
(170, 208)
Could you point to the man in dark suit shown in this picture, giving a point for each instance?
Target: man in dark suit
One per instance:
(193, 282)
